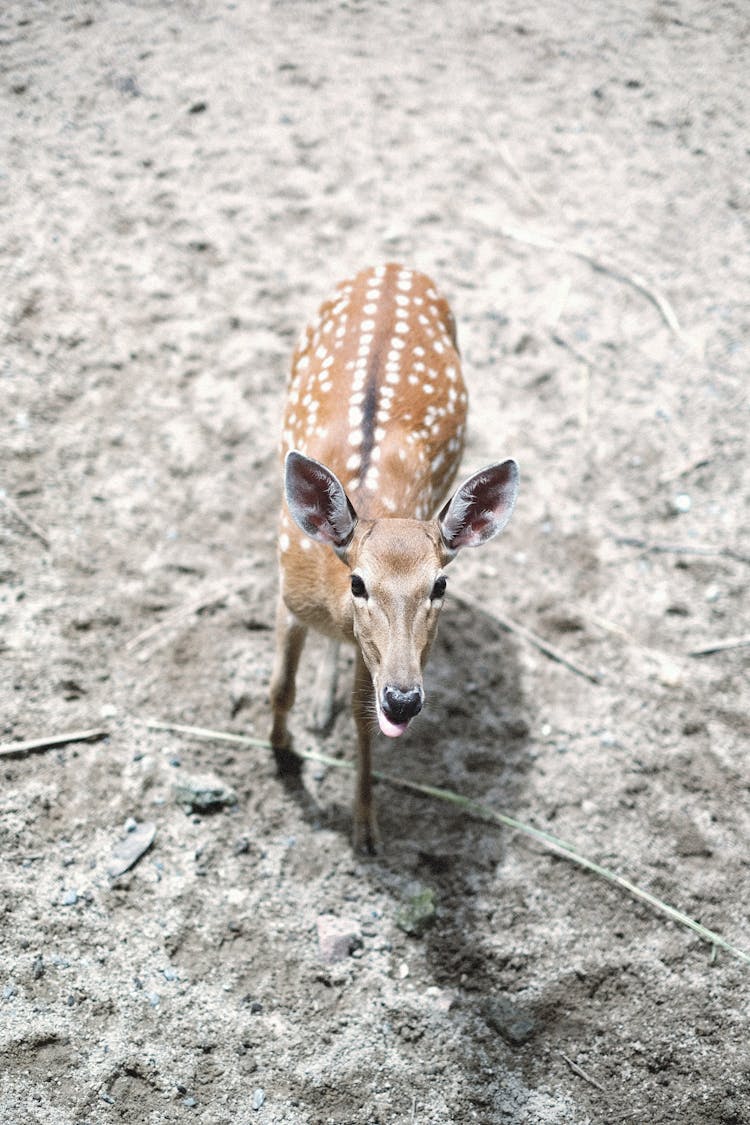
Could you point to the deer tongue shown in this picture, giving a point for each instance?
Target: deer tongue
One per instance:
(391, 730)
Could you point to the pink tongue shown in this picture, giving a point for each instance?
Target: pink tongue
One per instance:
(392, 730)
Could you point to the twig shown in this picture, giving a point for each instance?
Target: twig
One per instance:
(210, 735)
(653, 295)
(521, 630)
(485, 813)
(582, 1073)
(679, 548)
(18, 749)
(721, 646)
(504, 153)
(181, 613)
(21, 516)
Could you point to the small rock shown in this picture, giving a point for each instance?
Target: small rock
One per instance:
(681, 503)
(206, 793)
(337, 937)
(127, 852)
(259, 1096)
(418, 914)
(514, 1025)
(70, 898)
(37, 969)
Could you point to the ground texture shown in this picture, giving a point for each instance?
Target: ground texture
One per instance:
(182, 184)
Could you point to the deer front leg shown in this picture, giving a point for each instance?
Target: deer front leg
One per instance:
(326, 682)
(290, 639)
(366, 835)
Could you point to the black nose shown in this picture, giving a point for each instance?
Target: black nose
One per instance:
(400, 706)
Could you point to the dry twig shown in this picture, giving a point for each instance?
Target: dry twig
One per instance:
(679, 548)
(19, 749)
(485, 813)
(721, 646)
(582, 1073)
(176, 616)
(21, 516)
(520, 630)
(653, 295)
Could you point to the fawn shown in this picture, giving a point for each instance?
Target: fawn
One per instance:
(373, 434)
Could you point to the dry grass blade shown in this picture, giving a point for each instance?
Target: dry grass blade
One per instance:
(679, 548)
(21, 516)
(721, 646)
(634, 280)
(582, 1073)
(176, 616)
(520, 630)
(18, 749)
(485, 813)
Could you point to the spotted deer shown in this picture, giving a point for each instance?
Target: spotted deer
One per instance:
(373, 434)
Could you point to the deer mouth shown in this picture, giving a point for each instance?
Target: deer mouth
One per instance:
(397, 708)
(388, 727)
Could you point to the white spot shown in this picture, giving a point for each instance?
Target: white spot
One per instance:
(402, 314)
(428, 388)
(357, 398)
(305, 543)
(396, 342)
(392, 377)
(401, 299)
(366, 338)
(388, 503)
(413, 379)
(284, 542)
(404, 283)
(402, 327)
(325, 387)
(419, 350)
(303, 363)
(372, 295)
(355, 416)
(367, 325)
(375, 454)
(370, 310)
(355, 437)
(383, 415)
(354, 461)
(321, 352)
(328, 363)
(402, 454)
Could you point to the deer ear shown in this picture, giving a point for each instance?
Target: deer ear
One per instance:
(481, 507)
(317, 501)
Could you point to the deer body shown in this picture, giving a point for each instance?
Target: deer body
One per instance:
(373, 434)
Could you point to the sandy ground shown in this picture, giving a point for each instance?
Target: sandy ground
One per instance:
(182, 184)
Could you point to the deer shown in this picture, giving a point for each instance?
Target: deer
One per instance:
(373, 434)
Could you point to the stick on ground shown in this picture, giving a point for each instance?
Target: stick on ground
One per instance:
(19, 749)
(485, 813)
(21, 516)
(720, 646)
(638, 283)
(520, 630)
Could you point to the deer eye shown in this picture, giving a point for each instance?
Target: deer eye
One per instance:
(438, 590)
(359, 590)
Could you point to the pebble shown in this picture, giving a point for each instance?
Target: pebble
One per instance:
(681, 503)
(70, 898)
(127, 852)
(206, 793)
(509, 1021)
(337, 937)
(259, 1096)
(418, 913)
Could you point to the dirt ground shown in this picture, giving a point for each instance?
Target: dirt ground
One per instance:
(183, 183)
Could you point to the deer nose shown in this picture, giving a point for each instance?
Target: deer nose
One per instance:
(401, 706)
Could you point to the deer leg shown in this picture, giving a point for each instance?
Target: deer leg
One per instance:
(366, 835)
(290, 639)
(326, 683)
